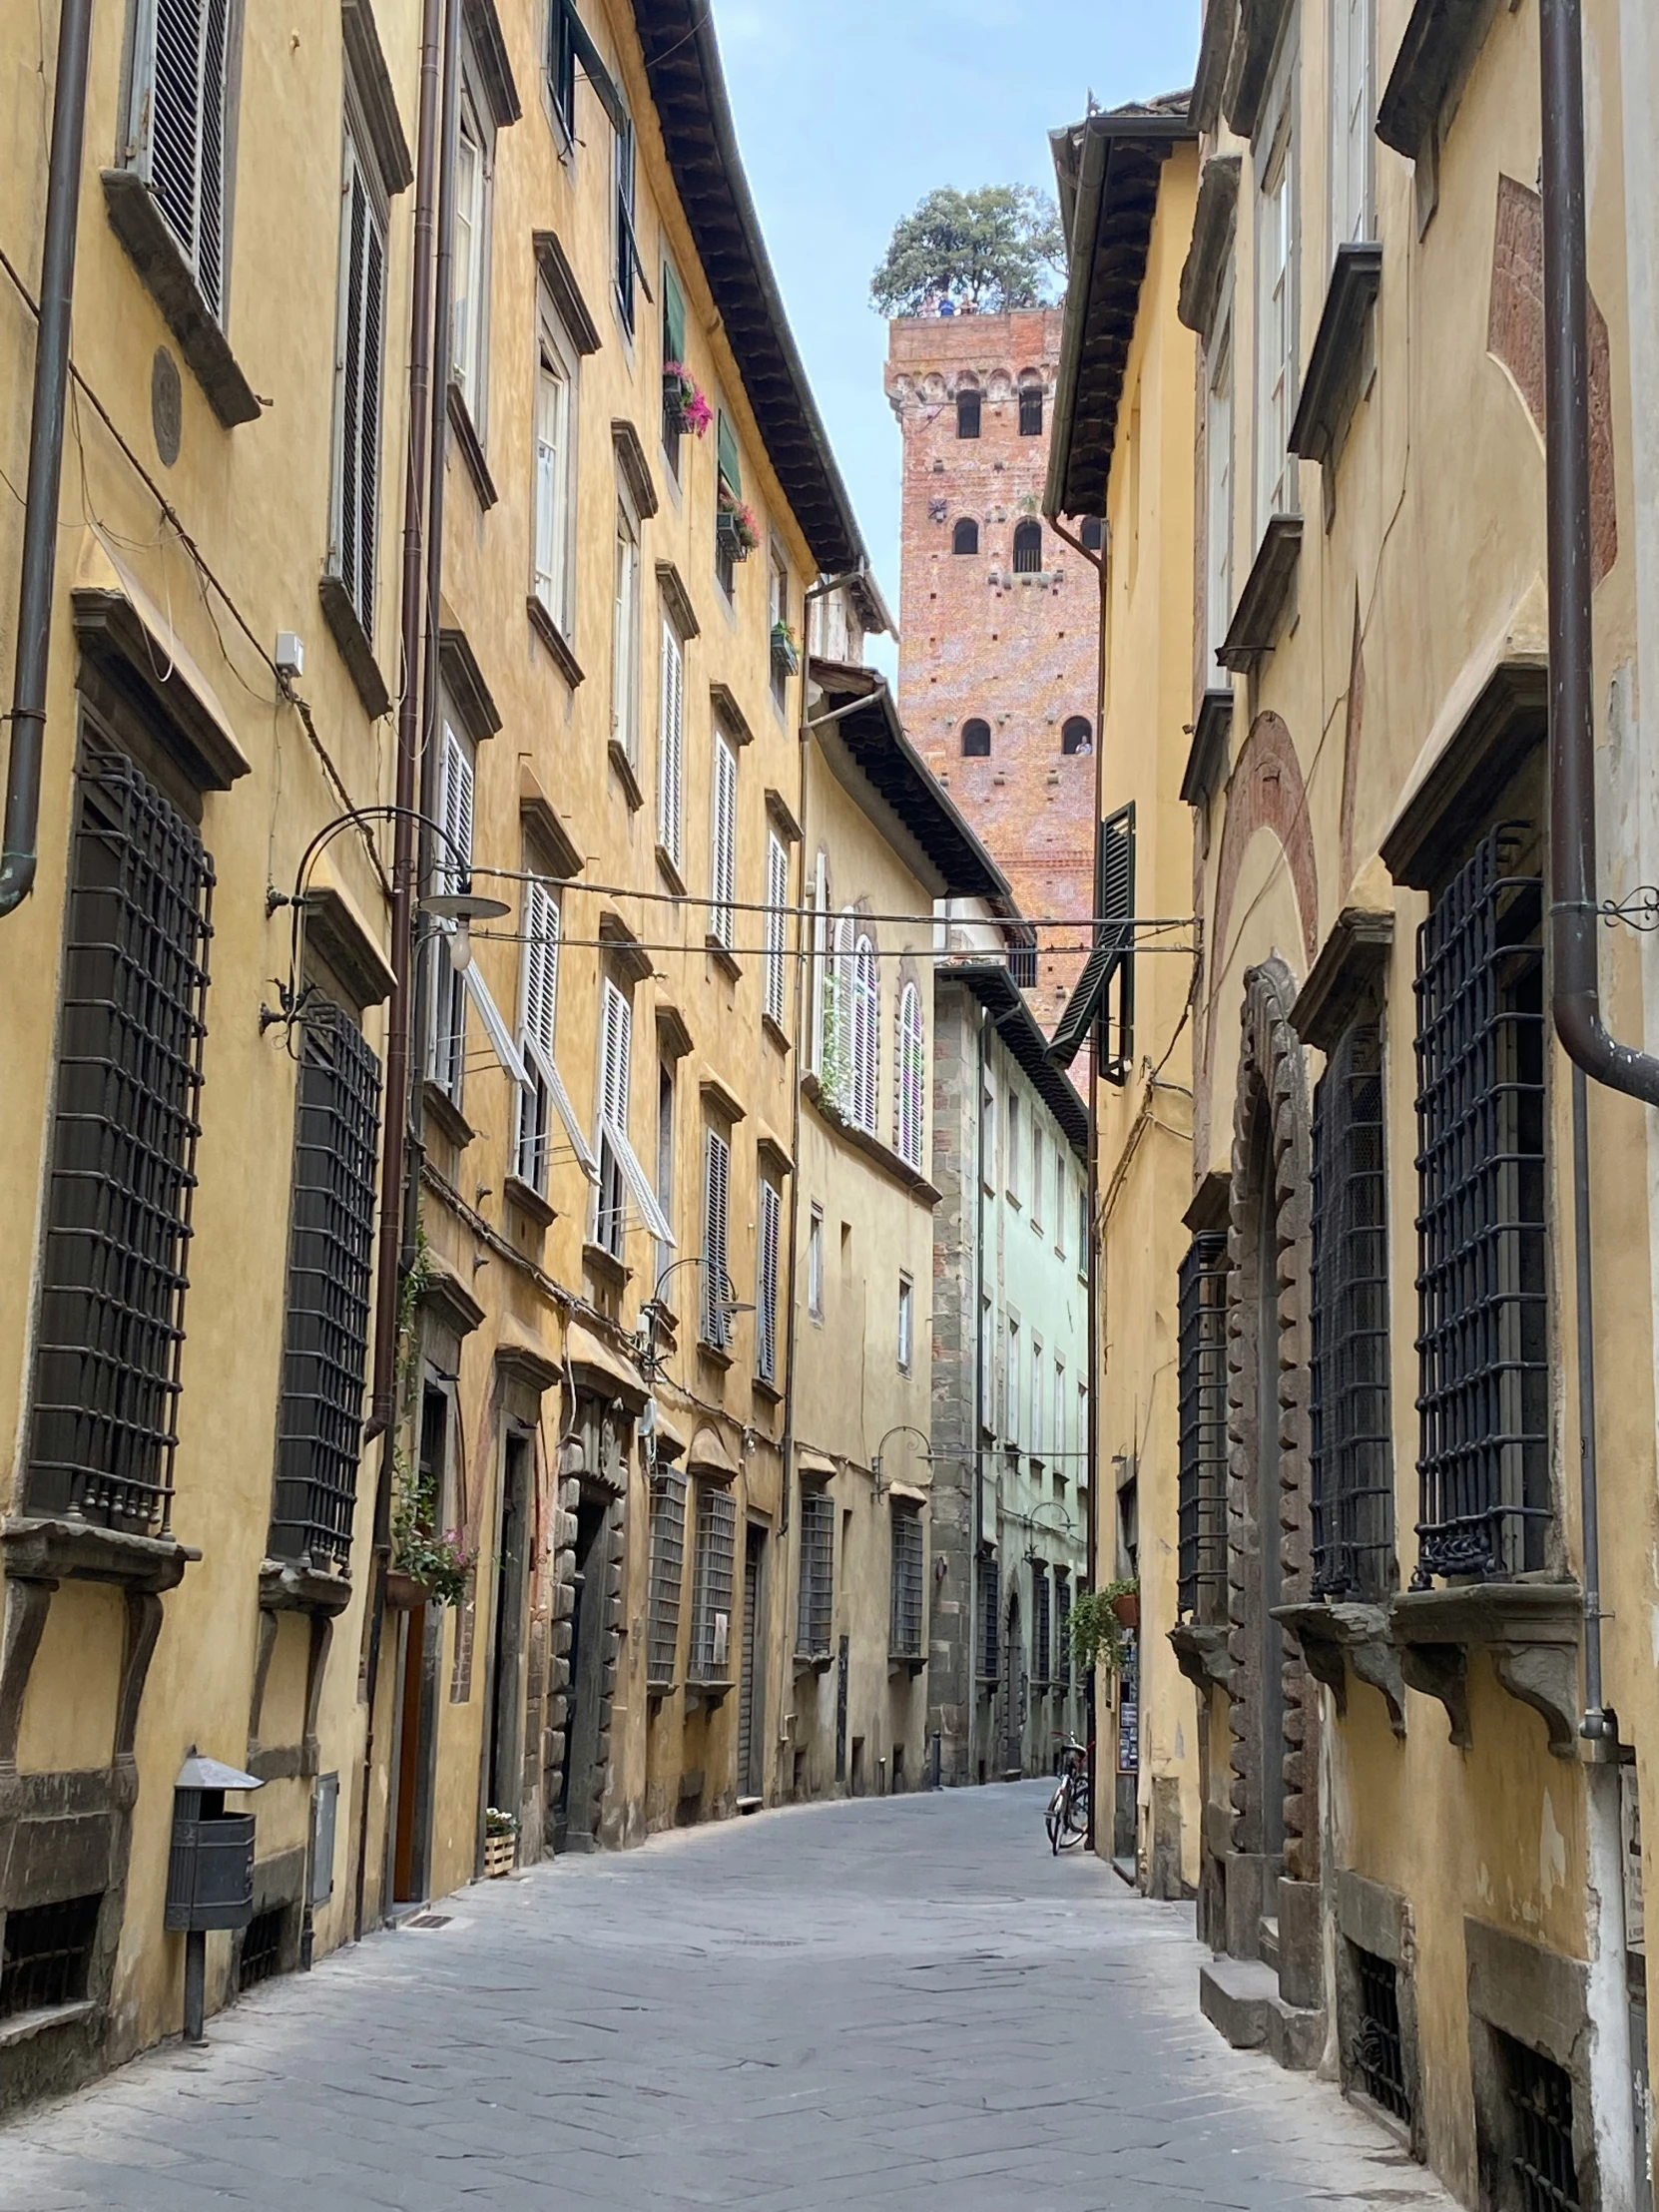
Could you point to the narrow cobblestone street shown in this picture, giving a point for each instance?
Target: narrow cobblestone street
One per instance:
(880, 2004)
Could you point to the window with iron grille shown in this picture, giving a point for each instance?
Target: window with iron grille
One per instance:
(1376, 2053)
(262, 1947)
(1062, 1630)
(326, 1341)
(1203, 1426)
(667, 1566)
(1541, 2106)
(1031, 410)
(818, 1569)
(990, 1598)
(1028, 548)
(129, 1077)
(1353, 1463)
(1483, 1349)
(1022, 966)
(1041, 1640)
(46, 1956)
(717, 1536)
(906, 1632)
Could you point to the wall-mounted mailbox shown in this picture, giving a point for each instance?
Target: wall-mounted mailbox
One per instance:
(209, 1870)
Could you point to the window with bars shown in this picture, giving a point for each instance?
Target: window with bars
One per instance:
(46, 1958)
(776, 930)
(326, 1337)
(179, 129)
(814, 1610)
(1042, 1658)
(1352, 1463)
(670, 742)
(262, 1947)
(1202, 1398)
(723, 842)
(1062, 1632)
(768, 1234)
(1031, 410)
(125, 1122)
(904, 1633)
(359, 367)
(1028, 548)
(1482, 1262)
(717, 1536)
(1376, 2051)
(716, 1193)
(967, 414)
(910, 1091)
(1542, 2160)
(667, 1566)
(990, 1603)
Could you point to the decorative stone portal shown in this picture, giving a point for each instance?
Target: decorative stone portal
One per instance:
(1266, 1987)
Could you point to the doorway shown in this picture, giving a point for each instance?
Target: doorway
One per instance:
(419, 1651)
(1013, 1695)
(582, 1785)
(506, 1745)
(752, 1687)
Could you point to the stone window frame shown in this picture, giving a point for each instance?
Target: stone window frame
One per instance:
(1540, 1998)
(1373, 1917)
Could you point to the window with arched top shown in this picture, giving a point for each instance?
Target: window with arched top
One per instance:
(965, 537)
(1028, 548)
(1031, 410)
(1076, 735)
(976, 739)
(866, 1038)
(909, 1097)
(967, 414)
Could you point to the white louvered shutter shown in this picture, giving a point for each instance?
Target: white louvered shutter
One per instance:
(765, 1291)
(541, 964)
(777, 893)
(723, 838)
(619, 1024)
(716, 1182)
(360, 367)
(186, 150)
(671, 742)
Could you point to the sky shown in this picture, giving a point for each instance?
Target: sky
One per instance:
(847, 113)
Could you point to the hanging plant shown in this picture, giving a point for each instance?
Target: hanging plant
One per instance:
(786, 652)
(739, 532)
(683, 405)
(1100, 1620)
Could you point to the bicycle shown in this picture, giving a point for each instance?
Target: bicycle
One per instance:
(1067, 1818)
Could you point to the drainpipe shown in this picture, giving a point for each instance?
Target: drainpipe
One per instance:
(39, 510)
(389, 1275)
(1577, 1006)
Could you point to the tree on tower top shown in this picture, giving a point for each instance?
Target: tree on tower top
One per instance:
(984, 252)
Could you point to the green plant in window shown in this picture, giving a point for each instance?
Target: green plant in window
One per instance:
(1098, 1627)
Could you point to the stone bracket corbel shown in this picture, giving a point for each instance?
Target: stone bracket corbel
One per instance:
(1532, 1633)
(1341, 1637)
(1442, 1671)
(1202, 1653)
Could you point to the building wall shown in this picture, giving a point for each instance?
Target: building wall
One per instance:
(977, 640)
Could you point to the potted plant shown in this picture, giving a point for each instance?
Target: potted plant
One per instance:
(1099, 1625)
(786, 652)
(500, 1843)
(683, 405)
(736, 527)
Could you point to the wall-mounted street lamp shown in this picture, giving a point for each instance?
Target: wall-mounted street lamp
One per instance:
(650, 1363)
(453, 911)
(1066, 1526)
(903, 1428)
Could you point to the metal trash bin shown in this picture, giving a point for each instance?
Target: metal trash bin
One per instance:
(209, 1869)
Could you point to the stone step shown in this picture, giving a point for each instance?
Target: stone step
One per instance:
(1267, 1938)
(1240, 1998)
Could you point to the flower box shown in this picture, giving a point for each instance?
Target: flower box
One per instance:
(499, 1855)
(685, 409)
(736, 530)
(786, 655)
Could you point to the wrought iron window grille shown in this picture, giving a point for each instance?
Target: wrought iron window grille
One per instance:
(46, 1956)
(102, 1429)
(1483, 1285)
(330, 1243)
(906, 1627)
(1062, 1632)
(1351, 1431)
(1043, 1643)
(716, 1535)
(991, 1602)
(1540, 2104)
(1202, 1395)
(1376, 2051)
(262, 1947)
(816, 1588)
(667, 1566)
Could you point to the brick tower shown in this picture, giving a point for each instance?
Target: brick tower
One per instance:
(998, 664)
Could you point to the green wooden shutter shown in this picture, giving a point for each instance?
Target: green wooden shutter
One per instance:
(674, 317)
(731, 472)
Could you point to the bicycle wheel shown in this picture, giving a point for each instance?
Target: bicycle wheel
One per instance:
(1076, 1815)
(1054, 1820)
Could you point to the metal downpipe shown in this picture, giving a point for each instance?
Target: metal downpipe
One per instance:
(46, 425)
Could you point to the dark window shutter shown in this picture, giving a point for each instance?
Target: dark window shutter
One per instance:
(1115, 902)
(187, 151)
(731, 469)
(674, 317)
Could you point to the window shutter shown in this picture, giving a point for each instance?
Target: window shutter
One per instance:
(541, 964)
(716, 1322)
(674, 317)
(777, 892)
(726, 443)
(723, 867)
(619, 1024)
(765, 1295)
(187, 134)
(362, 319)
(457, 808)
(669, 764)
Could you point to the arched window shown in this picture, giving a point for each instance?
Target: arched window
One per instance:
(1028, 548)
(1076, 735)
(965, 537)
(1031, 410)
(1093, 534)
(909, 1102)
(967, 414)
(976, 739)
(867, 1038)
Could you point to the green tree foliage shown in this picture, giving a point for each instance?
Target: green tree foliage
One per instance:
(990, 250)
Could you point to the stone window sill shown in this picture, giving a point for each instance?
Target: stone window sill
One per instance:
(723, 959)
(1206, 770)
(569, 667)
(45, 1548)
(606, 1267)
(1265, 600)
(1335, 368)
(1531, 1631)
(775, 1034)
(768, 1391)
(443, 1110)
(812, 1662)
(873, 1147)
(137, 221)
(529, 1201)
(1341, 1637)
(354, 648)
(906, 1662)
(23, 2028)
(626, 775)
(470, 446)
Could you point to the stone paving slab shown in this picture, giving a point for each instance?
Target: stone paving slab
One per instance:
(905, 2001)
